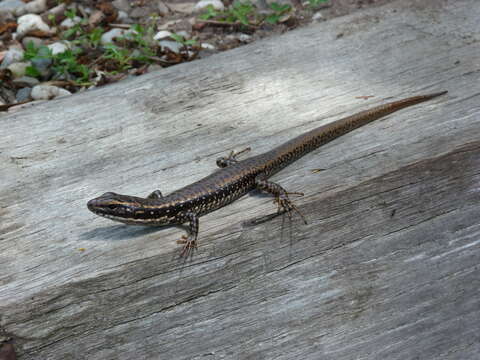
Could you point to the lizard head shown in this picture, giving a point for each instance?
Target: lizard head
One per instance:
(132, 210)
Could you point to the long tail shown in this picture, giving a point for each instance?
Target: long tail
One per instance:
(309, 141)
(364, 117)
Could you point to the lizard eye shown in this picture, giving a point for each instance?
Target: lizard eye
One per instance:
(108, 194)
(222, 162)
(112, 206)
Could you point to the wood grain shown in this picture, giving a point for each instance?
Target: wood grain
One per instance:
(387, 267)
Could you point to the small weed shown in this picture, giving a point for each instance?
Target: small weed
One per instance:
(209, 13)
(94, 36)
(76, 32)
(32, 72)
(141, 37)
(278, 11)
(141, 40)
(182, 40)
(316, 3)
(32, 52)
(71, 13)
(64, 65)
(120, 56)
(246, 13)
(87, 56)
(241, 12)
(51, 18)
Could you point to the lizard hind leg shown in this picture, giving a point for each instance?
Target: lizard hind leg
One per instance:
(231, 159)
(281, 197)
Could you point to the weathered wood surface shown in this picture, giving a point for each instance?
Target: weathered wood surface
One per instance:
(388, 267)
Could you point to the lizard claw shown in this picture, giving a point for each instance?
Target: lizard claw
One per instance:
(190, 245)
(285, 204)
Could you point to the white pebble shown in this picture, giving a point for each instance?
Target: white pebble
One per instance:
(183, 33)
(317, 16)
(122, 16)
(33, 7)
(207, 46)
(30, 22)
(58, 47)
(68, 23)
(244, 37)
(217, 4)
(13, 55)
(47, 92)
(111, 34)
(18, 69)
(164, 34)
(172, 45)
(11, 5)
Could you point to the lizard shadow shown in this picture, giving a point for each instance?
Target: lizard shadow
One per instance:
(123, 232)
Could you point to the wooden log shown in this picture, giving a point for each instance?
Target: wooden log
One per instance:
(387, 267)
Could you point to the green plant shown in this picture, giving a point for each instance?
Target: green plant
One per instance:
(52, 19)
(78, 33)
(118, 54)
(182, 40)
(316, 3)
(71, 13)
(209, 13)
(141, 37)
(70, 33)
(143, 45)
(32, 52)
(242, 12)
(87, 55)
(278, 11)
(64, 65)
(95, 36)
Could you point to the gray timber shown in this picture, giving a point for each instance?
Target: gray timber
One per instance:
(387, 268)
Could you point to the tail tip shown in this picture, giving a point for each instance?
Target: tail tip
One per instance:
(438, 94)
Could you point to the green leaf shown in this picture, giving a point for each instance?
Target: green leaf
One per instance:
(139, 29)
(44, 52)
(231, 18)
(178, 38)
(95, 35)
(315, 3)
(30, 51)
(69, 33)
(240, 16)
(209, 13)
(190, 42)
(275, 6)
(71, 13)
(280, 9)
(272, 19)
(32, 71)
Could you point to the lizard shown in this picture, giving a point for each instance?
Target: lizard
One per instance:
(234, 179)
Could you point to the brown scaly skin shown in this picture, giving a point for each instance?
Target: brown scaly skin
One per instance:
(234, 179)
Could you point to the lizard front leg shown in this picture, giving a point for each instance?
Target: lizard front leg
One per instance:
(157, 194)
(225, 161)
(190, 241)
